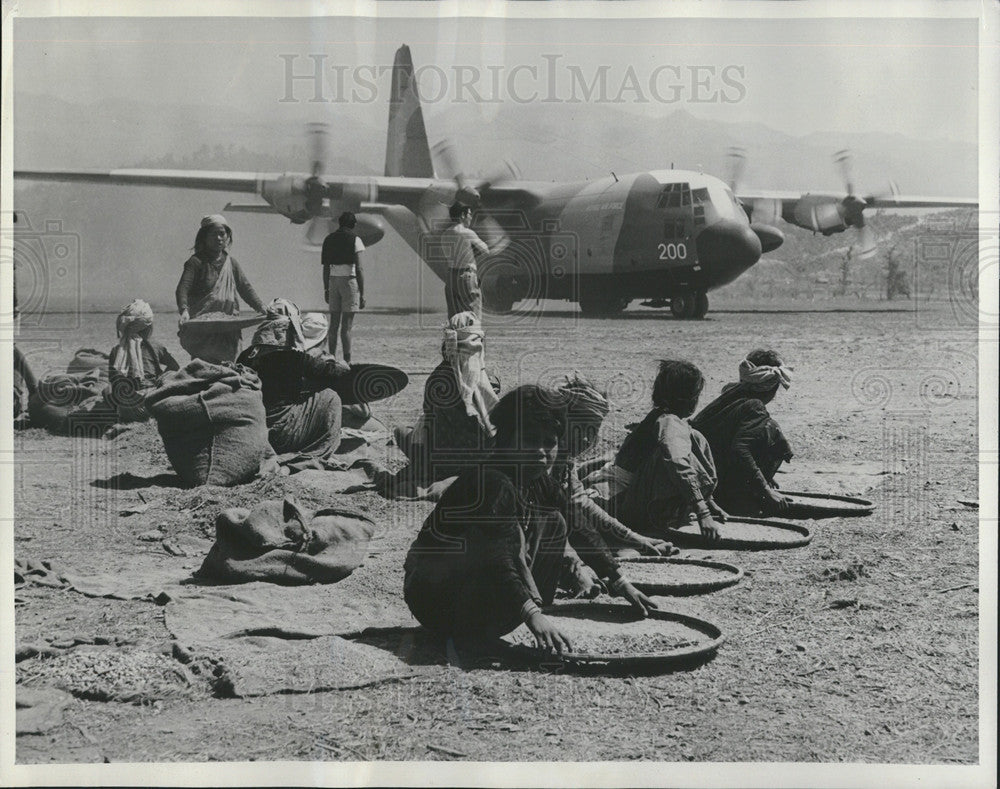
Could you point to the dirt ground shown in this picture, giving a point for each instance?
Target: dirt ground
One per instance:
(861, 647)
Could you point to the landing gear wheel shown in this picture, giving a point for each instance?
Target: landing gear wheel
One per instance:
(684, 306)
(700, 305)
(603, 305)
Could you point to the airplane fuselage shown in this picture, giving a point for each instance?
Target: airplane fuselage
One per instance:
(650, 235)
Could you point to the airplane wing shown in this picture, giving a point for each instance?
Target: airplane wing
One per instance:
(393, 190)
(788, 199)
(183, 179)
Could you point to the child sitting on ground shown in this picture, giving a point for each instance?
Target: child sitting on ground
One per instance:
(664, 475)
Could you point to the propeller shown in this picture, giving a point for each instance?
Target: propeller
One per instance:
(762, 211)
(853, 207)
(737, 166)
(318, 143)
(470, 192)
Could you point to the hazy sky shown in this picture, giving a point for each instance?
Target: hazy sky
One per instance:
(915, 77)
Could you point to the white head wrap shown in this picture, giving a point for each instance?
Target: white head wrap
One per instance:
(760, 377)
(463, 349)
(132, 323)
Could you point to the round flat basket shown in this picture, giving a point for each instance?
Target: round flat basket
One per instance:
(219, 321)
(663, 575)
(613, 637)
(744, 534)
(825, 505)
(368, 383)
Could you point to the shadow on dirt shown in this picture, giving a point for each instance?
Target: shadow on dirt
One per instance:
(129, 481)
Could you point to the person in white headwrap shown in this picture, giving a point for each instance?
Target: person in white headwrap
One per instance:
(137, 355)
(211, 282)
(315, 328)
(747, 444)
(136, 363)
(454, 427)
(303, 411)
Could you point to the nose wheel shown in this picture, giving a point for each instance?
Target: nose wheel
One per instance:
(689, 306)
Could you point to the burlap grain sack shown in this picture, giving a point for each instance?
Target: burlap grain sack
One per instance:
(58, 398)
(87, 359)
(212, 421)
(280, 542)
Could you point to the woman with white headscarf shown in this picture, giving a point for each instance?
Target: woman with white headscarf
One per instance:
(136, 363)
(747, 444)
(211, 283)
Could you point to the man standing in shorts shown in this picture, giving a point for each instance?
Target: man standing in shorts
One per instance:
(343, 281)
(463, 247)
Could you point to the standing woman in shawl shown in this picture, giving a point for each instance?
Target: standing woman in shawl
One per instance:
(136, 363)
(211, 281)
(747, 444)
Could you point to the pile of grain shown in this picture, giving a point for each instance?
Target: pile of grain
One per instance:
(108, 674)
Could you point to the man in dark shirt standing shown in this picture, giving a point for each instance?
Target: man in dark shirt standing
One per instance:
(343, 281)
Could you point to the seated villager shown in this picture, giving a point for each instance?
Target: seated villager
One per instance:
(454, 428)
(303, 413)
(136, 363)
(485, 559)
(489, 555)
(664, 473)
(747, 444)
(591, 531)
(586, 410)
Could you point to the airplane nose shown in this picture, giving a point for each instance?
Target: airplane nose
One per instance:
(729, 243)
(770, 237)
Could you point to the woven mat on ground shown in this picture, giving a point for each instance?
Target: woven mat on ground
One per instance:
(273, 639)
(124, 577)
(199, 615)
(40, 709)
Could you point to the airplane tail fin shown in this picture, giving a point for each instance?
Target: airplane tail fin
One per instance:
(407, 152)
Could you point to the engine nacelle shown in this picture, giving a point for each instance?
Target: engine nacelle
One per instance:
(287, 195)
(369, 229)
(352, 194)
(819, 213)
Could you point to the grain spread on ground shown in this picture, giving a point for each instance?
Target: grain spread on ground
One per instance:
(675, 573)
(609, 632)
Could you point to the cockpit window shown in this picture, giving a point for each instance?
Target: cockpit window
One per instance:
(700, 196)
(674, 195)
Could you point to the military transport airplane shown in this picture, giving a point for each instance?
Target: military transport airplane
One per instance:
(667, 236)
